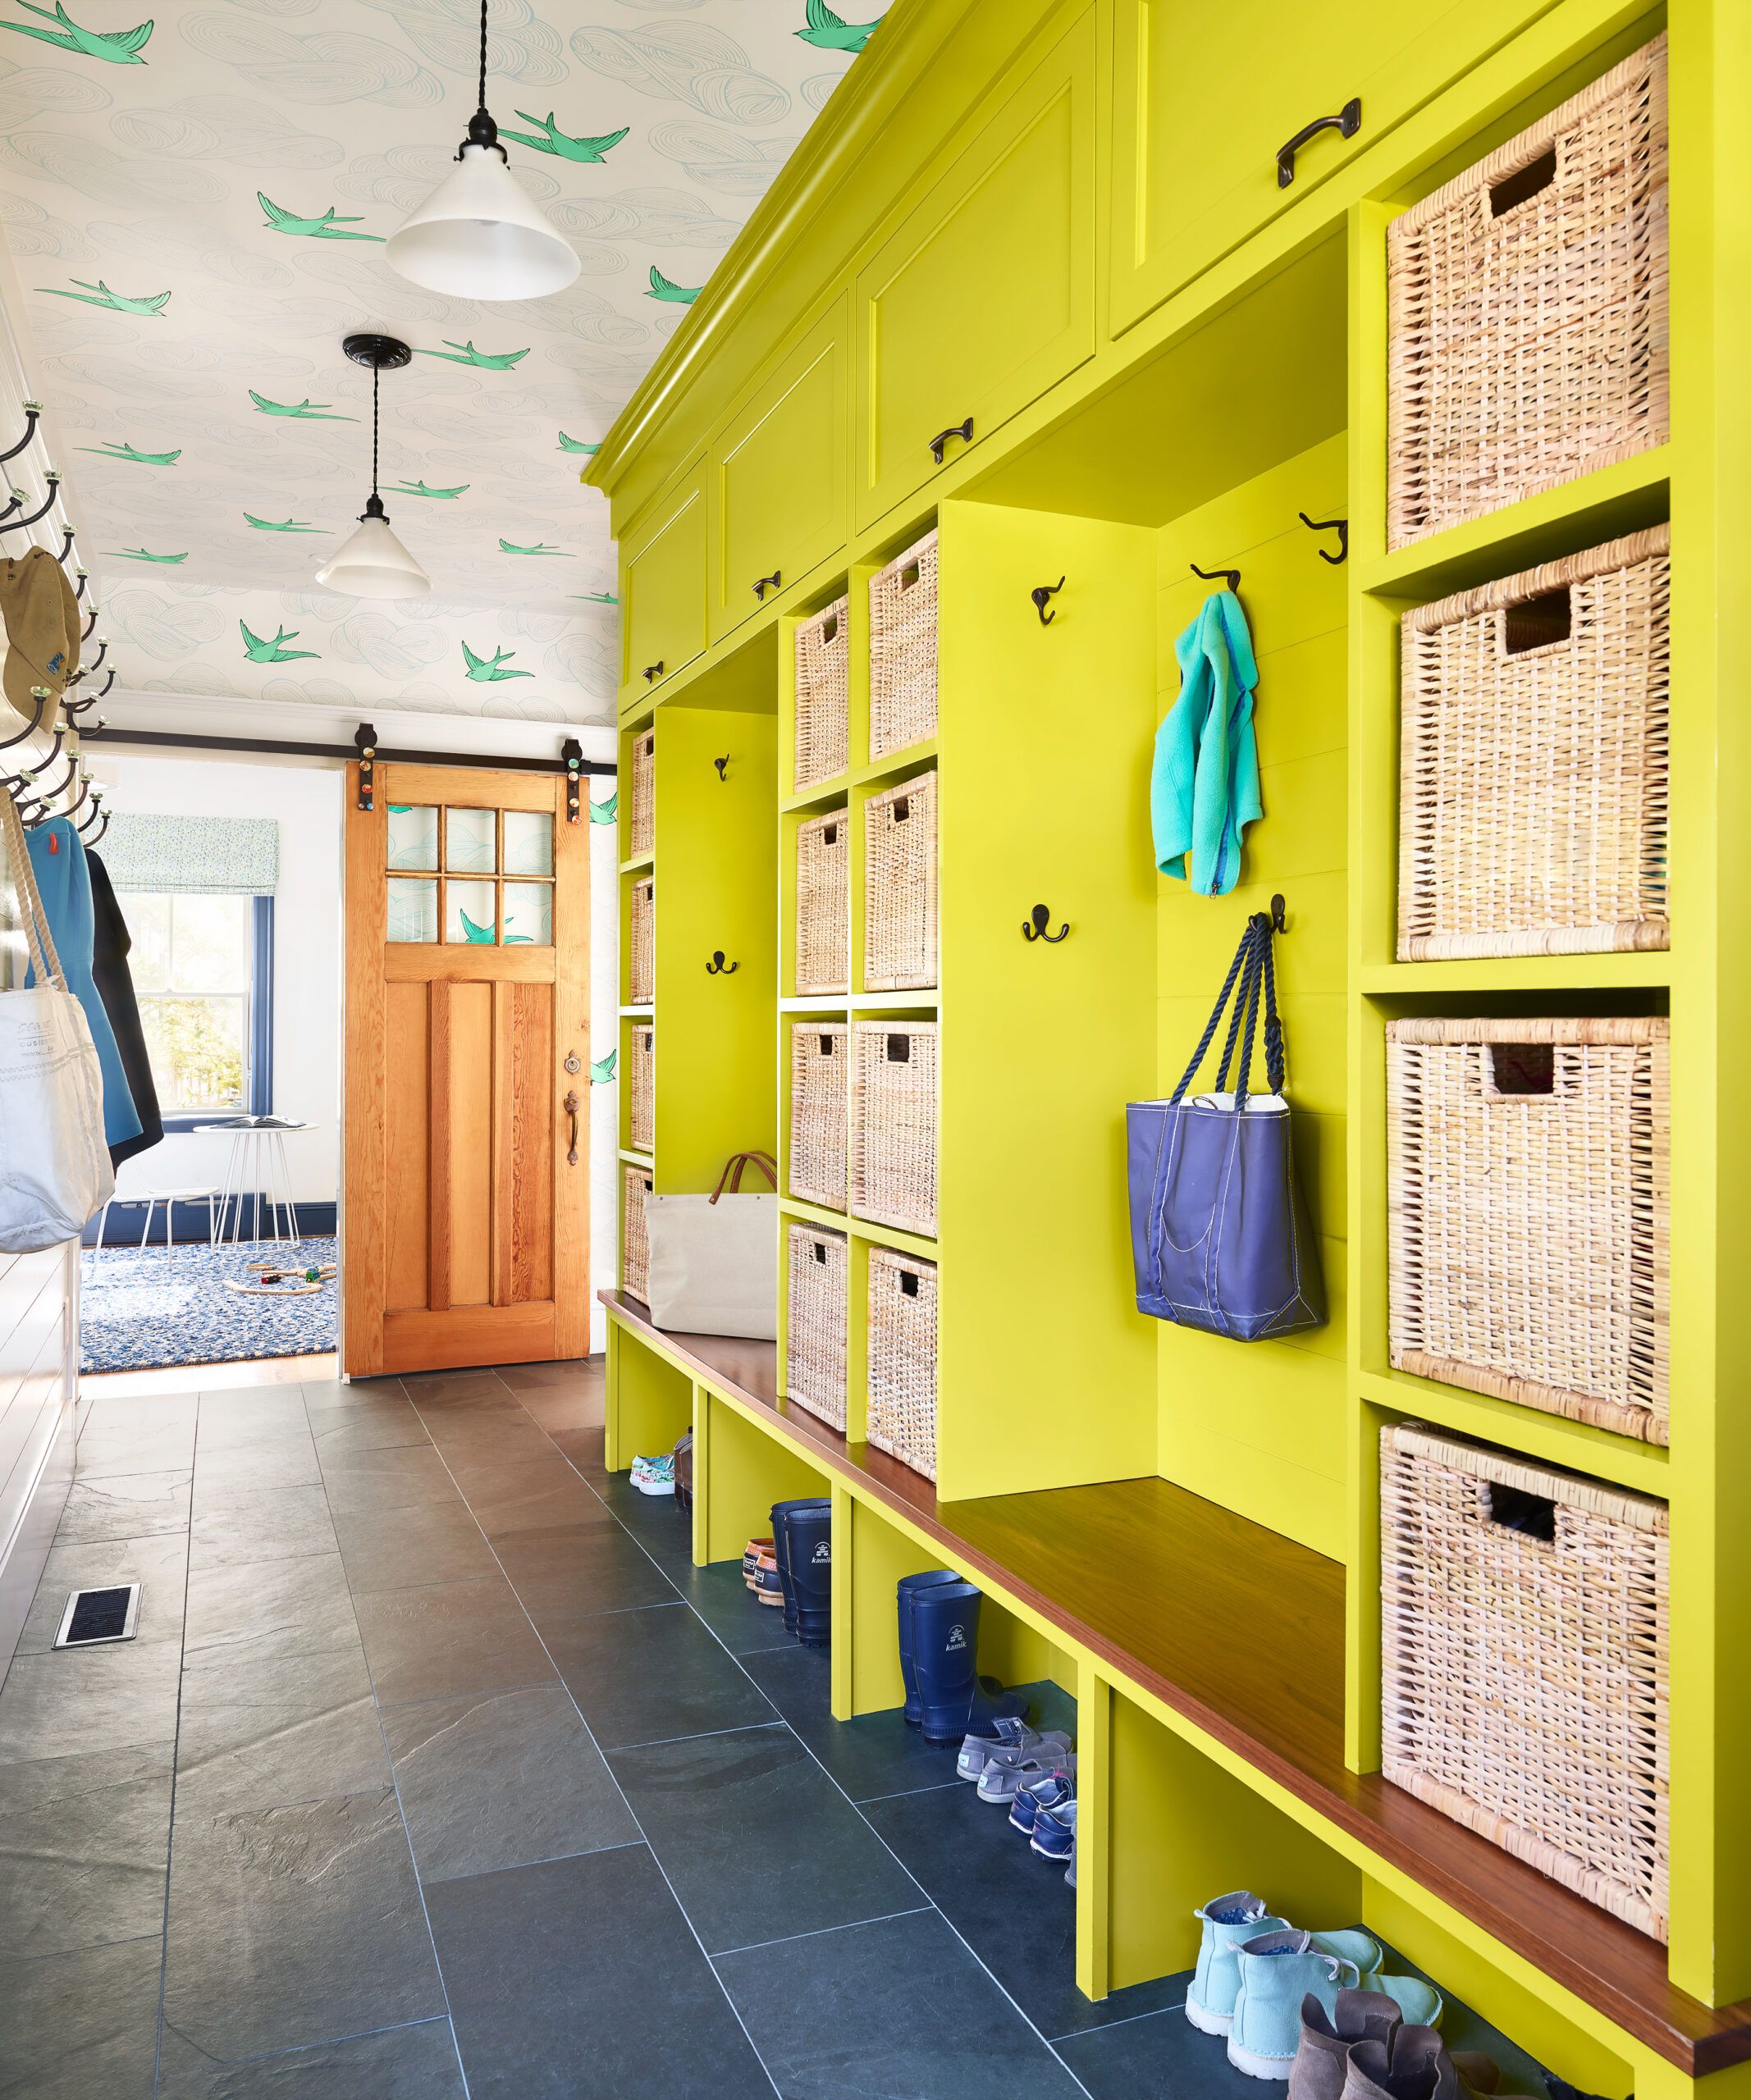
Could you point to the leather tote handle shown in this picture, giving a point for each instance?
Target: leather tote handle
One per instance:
(28, 901)
(737, 1165)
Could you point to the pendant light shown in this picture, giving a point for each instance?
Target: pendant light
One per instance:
(478, 234)
(373, 563)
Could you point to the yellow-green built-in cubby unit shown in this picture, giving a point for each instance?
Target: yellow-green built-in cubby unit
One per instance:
(1034, 214)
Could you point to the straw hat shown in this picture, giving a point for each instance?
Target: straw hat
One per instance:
(42, 626)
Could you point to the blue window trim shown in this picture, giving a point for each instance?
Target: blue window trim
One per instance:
(260, 1026)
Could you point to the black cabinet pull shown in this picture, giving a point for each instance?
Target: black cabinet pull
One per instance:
(766, 583)
(939, 444)
(652, 671)
(1347, 123)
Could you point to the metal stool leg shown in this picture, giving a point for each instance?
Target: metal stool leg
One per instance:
(102, 1226)
(286, 1185)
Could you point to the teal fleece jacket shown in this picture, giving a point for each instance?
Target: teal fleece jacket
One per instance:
(1204, 790)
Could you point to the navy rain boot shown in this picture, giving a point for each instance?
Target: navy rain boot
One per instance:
(908, 1588)
(779, 1553)
(809, 1553)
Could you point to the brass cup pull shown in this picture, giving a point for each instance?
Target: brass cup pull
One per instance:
(571, 1110)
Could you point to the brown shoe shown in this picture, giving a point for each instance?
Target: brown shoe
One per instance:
(1322, 2061)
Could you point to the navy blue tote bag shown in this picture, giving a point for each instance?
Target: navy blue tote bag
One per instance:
(1219, 1234)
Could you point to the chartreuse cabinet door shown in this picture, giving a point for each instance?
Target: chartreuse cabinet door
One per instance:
(777, 474)
(663, 589)
(983, 296)
(1205, 97)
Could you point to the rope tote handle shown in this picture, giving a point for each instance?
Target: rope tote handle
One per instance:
(28, 900)
(1242, 962)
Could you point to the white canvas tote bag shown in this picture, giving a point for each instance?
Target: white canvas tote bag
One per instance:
(54, 1166)
(714, 1259)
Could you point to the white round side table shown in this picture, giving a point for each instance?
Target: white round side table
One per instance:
(256, 1166)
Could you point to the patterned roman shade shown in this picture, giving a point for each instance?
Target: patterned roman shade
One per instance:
(206, 856)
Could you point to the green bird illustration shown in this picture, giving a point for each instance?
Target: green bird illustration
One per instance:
(270, 652)
(120, 47)
(831, 32)
(576, 445)
(676, 295)
(556, 141)
(475, 933)
(540, 547)
(419, 488)
(99, 294)
(606, 812)
(114, 451)
(281, 525)
(140, 554)
(306, 410)
(601, 1071)
(328, 227)
(596, 597)
(490, 674)
(466, 353)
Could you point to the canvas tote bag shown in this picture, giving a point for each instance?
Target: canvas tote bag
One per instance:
(54, 1166)
(1220, 1237)
(714, 1259)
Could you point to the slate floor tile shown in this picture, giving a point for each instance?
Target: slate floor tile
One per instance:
(266, 1523)
(492, 1435)
(289, 1925)
(448, 1638)
(402, 2063)
(548, 1997)
(87, 1699)
(501, 1779)
(397, 1549)
(582, 1448)
(756, 1841)
(254, 1608)
(441, 1389)
(564, 1373)
(563, 1573)
(84, 1842)
(236, 1469)
(661, 1529)
(159, 1564)
(727, 1605)
(144, 1435)
(249, 1415)
(342, 1392)
(875, 1754)
(275, 1728)
(528, 1497)
(124, 1506)
(899, 2006)
(378, 1425)
(581, 1405)
(397, 1476)
(651, 1675)
(1164, 2053)
(82, 2026)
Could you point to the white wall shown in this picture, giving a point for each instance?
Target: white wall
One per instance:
(307, 949)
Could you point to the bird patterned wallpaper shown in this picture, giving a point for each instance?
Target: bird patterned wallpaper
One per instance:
(195, 206)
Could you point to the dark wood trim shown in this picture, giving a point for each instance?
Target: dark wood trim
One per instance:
(284, 746)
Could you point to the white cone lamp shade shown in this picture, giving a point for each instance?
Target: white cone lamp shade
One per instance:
(373, 563)
(478, 235)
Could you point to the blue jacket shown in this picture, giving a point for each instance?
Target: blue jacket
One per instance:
(57, 860)
(1204, 788)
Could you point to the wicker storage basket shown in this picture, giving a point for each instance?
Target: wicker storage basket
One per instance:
(820, 1270)
(820, 1113)
(1527, 310)
(640, 1122)
(1532, 761)
(899, 888)
(635, 1248)
(641, 959)
(894, 1123)
(1524, 1641)
(641, 836)
(903, 1358)
(824, 903)
(1529, 1192)
(902, 650)
(823, 696)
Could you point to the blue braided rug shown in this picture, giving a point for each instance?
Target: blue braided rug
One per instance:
(169, 1305)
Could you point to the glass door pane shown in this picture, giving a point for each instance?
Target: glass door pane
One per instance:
(528, 842)
(470, 911)
(413, 838)
(471, 841)
(528, 914)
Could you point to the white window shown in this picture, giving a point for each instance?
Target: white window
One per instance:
(192, 964)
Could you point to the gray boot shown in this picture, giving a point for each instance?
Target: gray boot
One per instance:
(1405, 2068)
(1322, 2061)
(1411, 2049)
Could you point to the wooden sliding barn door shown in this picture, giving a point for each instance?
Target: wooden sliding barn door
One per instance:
(467, 1072)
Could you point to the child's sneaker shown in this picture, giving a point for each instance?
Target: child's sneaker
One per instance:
(1006, 1766)
(1216, 1982)
(1279, 1968)
(655, 1476)
(1055, 1832)
(978, 1746)
(1051, 1791)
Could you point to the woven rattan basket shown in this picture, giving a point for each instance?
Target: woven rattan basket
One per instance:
(894, 1123)
(641, 947)
(899, 888)
(824, 903)
(902, 650)
(641, 836)
(1532, 761)
(635, 1248)
(820, 1113)
(823, 696)
(641, 1121)
(815, 1325)
(1528, 313)
(903, 1358)
(1524, 1653)
(1528, 1193)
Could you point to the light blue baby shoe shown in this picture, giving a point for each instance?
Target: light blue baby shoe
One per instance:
(1279, 1968)
(1228, 1920)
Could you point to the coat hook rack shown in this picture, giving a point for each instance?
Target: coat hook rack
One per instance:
(66, 544)
(103, 826)
(95, 729)
(97, 662)
(1231, 577)
(721, 763)
(79, 801)
(97, 813)
(16, 504)
(717, 967)
(1339, 526)
(40, 696)
(85, 631)
(1041, 919)
(33, 410)
(89, 700)
(1040, 594)
(18, 524)
(84, 576)
(34, 772)
(62, 785)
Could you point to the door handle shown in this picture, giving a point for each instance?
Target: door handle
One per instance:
(940, 443)
(571, 1110)
(1347, 123)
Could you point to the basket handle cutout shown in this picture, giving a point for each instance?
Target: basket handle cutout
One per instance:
(1517, 1510)
(1538, 623)
(1523, 184)
(909, 576)
(826, 1046)
(899, 1049)
(900, 811)
(819, 1248)
(908, 1284)
(1519, 1068)
(829, 631)
(831, 834)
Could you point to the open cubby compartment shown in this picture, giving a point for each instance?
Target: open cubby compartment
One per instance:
(921, 984)
(636, 1071)
(815, 852)
(738, 1473)
(853, 636)
(649, 1401)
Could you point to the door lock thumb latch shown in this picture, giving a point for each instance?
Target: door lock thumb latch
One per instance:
(572, 1064)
